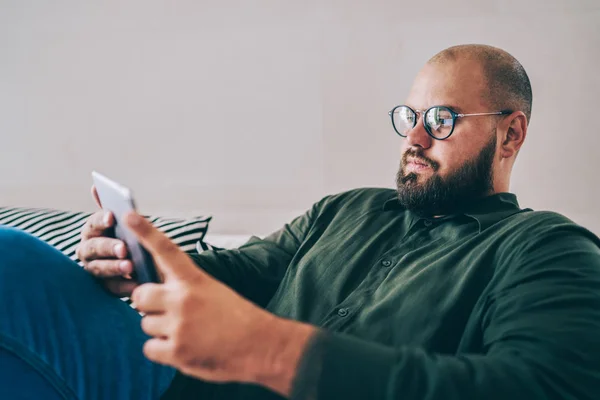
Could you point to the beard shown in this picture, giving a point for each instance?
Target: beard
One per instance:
(446, 195)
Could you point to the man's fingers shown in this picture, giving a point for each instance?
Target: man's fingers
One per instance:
(96, 197)
(119, 286)
(156, 242)
(97, 224)
(109, 268)
(159, 350)
(169, 259)
(155, 325)
(101, 247)
(150, 298)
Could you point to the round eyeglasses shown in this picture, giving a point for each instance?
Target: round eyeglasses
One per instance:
(438, 121)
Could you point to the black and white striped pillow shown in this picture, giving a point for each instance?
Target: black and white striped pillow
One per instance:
(62, 229)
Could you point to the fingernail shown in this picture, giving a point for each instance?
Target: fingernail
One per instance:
(106, 219)
(124, 267)
(119, 249)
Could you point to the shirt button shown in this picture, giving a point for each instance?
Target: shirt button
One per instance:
(428, 223)
(342, 312)
(386, 263)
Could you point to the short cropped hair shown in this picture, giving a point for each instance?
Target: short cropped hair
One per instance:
(508, 84)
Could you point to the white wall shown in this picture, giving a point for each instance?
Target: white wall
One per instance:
(251, 111)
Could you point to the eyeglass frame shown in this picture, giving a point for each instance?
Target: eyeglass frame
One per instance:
(455, 116)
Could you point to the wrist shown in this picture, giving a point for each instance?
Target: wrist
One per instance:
(284, 344)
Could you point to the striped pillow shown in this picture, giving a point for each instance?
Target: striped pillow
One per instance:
(62, 229)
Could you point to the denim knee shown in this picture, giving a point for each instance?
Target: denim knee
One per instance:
(10, 235)
(12, 239)
(19, 249)
(62, 323)
(27, 263)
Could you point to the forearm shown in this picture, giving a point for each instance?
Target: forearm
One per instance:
(300, 361)
(340, 366)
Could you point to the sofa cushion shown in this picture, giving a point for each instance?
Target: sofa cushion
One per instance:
(62, 229)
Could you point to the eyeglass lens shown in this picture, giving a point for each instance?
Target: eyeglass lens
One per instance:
(438, 121)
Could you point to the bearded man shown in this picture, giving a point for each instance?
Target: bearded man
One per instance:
(442, 289)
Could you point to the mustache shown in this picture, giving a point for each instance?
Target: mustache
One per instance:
(418, 155)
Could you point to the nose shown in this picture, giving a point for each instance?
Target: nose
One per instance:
(418, 136)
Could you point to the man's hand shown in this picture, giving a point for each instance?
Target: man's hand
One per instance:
(205, 329)
(104, 256)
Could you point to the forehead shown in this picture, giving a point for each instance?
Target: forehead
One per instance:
(458, 84)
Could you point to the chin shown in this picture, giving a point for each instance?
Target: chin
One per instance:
(415, 178)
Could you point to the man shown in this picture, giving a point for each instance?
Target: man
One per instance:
(442, 289)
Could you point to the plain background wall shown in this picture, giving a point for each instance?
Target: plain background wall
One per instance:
(253, 110)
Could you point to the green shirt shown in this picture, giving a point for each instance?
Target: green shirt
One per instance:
(496, 302)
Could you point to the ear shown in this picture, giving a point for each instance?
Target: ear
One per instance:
(514, 128)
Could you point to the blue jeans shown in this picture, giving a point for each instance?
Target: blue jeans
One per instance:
(62, 336)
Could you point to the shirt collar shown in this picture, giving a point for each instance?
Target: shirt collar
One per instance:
(486, 211)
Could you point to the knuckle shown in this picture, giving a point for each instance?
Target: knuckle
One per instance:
(189, 301)
(100, 268)
(181, 299)
(109, 268)
(170, 350)
(93, 222)
(99, 247)
(115, 268)
(92, 268)
(187, 304)
(91, 251)
(180, 351)
(82, 251)
(103, 247)
(85, 231)
(177, 331)
(90, 229)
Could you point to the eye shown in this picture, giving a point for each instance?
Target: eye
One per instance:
(406, 115)
(439, 122)
(438, 117)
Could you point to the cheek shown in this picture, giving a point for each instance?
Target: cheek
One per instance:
(449, 160)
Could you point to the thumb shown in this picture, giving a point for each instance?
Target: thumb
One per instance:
(95, 196)
(169, 259)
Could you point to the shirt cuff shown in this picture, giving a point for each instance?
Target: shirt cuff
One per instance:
(339, 366)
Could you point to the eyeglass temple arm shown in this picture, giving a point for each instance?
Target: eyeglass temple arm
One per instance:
(489, 113)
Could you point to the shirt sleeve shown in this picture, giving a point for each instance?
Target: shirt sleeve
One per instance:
(256, 269)
(540, 339)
